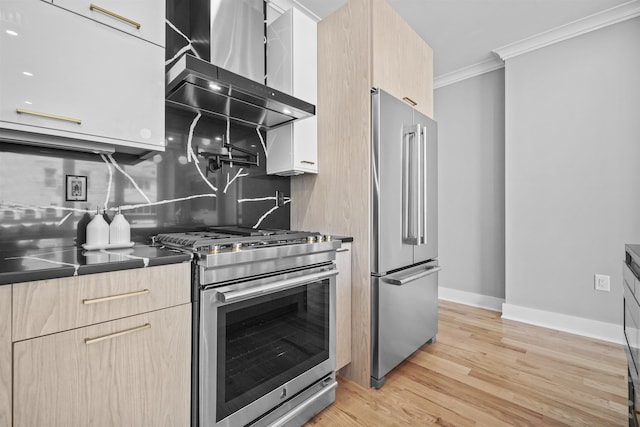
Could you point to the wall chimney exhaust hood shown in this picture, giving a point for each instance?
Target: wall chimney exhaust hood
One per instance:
(197, 85)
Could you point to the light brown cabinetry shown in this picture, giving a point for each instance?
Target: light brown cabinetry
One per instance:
(343, 306)
(133, 371)
(363, 44)
(48, 306)
(103, 349)
(5, 355)
(402, 63)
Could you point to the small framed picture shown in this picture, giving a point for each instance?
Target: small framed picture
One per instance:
(76, 188)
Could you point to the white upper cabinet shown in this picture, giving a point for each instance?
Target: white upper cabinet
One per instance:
(292, 58)
(71, 82)
(292, 42)
(141, 18)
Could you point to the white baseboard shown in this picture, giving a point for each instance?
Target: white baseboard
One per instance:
(562, 322)
(470, 298)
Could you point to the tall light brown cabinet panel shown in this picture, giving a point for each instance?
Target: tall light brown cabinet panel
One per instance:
(5, 355)
(343, 306)
(363, 44)
(402, 61)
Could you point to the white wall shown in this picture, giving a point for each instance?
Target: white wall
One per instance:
(470, 116)
(572, 171)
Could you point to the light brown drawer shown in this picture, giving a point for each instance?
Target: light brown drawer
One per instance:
(48, 306)
(134, 371)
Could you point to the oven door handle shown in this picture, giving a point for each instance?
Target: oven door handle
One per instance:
(229, 296)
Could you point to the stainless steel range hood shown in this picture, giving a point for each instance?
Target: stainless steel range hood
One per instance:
(197, 85)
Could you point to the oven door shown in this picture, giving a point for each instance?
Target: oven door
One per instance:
(262, 342)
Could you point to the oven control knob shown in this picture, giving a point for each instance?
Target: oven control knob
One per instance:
(214, 249)
(235, 247)
(326, 238)
(311, 239)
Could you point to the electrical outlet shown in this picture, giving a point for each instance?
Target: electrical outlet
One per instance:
(602, 282)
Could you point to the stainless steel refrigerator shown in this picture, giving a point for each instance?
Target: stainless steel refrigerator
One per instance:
(404, 190)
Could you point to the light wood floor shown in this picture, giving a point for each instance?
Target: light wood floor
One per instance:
(485, 371)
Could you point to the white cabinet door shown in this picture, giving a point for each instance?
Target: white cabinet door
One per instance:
(99, 84)
(292, 68)
(292, 149)
(141, 18)
(305, 138)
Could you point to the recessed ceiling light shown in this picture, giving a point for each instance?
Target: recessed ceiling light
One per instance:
(11, 33)
(214, 86)
(28, 102)
(218, 138)
(26, 73)
(170, 138)
(286, 111)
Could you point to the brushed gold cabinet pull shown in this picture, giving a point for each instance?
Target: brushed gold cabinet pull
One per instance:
(115, 15)
(116, 334)
(410, 101)
(307, 162)
(114, 297)
(49, 116)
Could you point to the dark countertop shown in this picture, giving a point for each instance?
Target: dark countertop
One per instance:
(344, 239)
(25, 261)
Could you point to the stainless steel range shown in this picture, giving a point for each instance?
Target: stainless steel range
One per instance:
(264, 325)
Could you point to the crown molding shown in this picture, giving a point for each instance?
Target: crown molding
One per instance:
(281, 6)
(467, 72)
(590, 23)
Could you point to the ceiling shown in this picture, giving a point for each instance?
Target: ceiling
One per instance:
(463, 33)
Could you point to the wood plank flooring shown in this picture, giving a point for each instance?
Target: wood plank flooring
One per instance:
(486, 371)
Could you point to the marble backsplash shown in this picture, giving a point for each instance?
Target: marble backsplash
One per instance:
(166, 192)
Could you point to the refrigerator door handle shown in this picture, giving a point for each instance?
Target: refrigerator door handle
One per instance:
(410, 220)
(417, 144)
(423, 171)
(411, 277)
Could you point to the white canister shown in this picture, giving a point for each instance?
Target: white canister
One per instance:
(97, 231)
(119, 229)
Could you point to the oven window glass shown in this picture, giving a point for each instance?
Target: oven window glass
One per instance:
(266, 341)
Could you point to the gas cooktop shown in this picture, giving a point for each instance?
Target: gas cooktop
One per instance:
(225, 254)
(218, 239)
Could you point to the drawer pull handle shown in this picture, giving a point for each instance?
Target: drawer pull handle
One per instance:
(88, 341)
(114, 297)
(342, 250)
(410, 101)
(115, 15)
(49, 116)
(307, 162)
